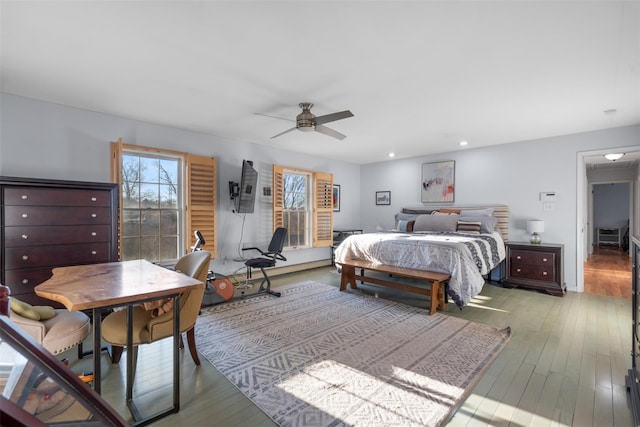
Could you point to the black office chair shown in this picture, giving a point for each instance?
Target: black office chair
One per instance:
(268, 259)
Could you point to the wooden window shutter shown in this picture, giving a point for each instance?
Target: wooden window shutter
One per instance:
(116, 177)
(278, 197)
(323, 212)
(201, 201)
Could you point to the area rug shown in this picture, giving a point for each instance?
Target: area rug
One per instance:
(320, 357)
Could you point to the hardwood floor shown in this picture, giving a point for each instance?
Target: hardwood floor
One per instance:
(608, 272)
(565, 365)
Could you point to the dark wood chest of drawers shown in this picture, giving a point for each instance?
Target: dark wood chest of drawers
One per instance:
(52, 223)
(535, 267)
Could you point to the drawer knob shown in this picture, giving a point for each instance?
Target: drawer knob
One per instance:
(518, 270)
(25, 237)
(94, 234)
(94, 253)
(24, 197)
(25, 281)
(93, 199)
(25, 215)
(93, 215)
(25, 257)
(518, 257)
(544, 259)
(544, 273)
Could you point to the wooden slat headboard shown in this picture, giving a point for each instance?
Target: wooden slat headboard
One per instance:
(499, 211)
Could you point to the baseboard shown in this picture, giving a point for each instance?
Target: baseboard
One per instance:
(276, 271)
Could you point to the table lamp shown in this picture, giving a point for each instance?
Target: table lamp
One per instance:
(535, 226)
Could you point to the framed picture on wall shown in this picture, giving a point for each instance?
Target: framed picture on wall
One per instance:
(383, 197)
(438, 182)
(336, 198)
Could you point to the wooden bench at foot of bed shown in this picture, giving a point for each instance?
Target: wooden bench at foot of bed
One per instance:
(434, 279)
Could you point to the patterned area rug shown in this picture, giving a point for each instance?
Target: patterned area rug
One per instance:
(320, 357)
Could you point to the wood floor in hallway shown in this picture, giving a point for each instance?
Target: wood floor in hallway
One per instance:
(608, 272)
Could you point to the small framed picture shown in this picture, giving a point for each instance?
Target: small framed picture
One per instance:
(383, 197)
(336, 198)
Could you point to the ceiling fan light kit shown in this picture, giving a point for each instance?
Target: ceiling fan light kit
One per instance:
(308, 122)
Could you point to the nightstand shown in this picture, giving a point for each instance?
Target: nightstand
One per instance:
(535, 267)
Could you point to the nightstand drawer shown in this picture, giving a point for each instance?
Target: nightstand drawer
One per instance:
(519, 256)
(533, 272)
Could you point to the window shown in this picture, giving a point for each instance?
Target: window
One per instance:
(165, 196)
(303, 203)
(297, 209)
(152, 206)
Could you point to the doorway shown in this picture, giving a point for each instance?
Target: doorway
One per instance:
(607, 212)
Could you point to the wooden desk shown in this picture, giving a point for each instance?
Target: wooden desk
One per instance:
(103, 286)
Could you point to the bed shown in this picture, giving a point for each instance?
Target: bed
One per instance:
(464, 242)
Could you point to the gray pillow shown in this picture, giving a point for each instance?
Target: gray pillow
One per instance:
(436, 223)
(405, 217)
(464, 213)
(417, 211)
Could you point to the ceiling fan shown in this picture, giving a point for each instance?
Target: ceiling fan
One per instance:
(308, 122)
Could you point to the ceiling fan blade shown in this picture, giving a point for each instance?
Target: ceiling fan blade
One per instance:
(274, 117)
(330, 132)
(282, 133)
(333, 117)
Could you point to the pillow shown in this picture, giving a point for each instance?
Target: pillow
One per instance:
(46, 312)
(469, 227)
(24, 309)
(404, 217)
(449, 210)
(436, 223)
(476, 212)
(487, 223)
(38, 312)
(443, 213)
(417, 211)
(404, 226)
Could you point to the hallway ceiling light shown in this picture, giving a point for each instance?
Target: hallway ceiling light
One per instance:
(613, 156)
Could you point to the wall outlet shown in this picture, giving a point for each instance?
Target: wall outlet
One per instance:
(548, 206)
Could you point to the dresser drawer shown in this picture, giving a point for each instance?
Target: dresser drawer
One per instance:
(41, 256)
(535, 272)
(532, 258)
(64, 234)
(26, 196)
(36, 215)
(23, 280)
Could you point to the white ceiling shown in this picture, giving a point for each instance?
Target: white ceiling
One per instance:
(419, 76)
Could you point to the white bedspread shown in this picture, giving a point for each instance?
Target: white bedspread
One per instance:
(466, 257)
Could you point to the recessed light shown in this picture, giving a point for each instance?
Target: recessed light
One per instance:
(392, 155)
(463, 143)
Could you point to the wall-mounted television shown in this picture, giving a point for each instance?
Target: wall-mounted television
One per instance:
(248, 188)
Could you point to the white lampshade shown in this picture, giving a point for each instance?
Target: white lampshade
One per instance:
(535, 226)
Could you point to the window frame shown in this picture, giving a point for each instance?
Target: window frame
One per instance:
(198, 190)
(321, 186)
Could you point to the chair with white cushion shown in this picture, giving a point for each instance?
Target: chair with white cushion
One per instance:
(57, 330)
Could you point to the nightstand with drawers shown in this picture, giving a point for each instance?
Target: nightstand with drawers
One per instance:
(535, 267)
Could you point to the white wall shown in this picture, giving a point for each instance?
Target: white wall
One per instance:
(511, 174)
(39, 139)
(44, 140)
